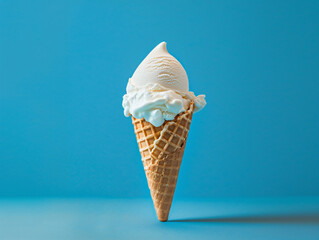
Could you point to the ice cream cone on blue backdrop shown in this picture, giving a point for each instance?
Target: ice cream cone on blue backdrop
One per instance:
(161, 106)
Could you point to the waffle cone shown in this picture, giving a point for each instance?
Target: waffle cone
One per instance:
(162, 150)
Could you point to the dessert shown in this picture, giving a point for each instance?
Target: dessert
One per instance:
(161, 107)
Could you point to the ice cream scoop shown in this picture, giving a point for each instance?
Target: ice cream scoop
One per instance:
(159, 89)
(162, 68)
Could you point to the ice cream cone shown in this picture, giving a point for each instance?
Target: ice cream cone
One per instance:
(162, 151)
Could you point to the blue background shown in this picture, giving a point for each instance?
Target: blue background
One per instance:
(64, 66)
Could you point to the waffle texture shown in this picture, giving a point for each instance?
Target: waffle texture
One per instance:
(162, 150)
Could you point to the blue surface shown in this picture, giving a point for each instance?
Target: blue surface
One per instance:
(64, 66)
(283, 218)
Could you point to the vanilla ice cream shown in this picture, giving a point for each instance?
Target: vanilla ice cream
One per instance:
(162, 68)
(159, 89)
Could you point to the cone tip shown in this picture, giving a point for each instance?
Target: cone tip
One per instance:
(162, 220)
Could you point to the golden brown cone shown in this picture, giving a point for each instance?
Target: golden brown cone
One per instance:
(162, 150)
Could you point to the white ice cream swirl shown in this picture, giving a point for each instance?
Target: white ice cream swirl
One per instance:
(158, 90)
